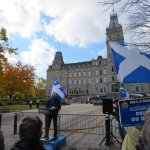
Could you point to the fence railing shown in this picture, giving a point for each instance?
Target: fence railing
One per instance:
(78, 123)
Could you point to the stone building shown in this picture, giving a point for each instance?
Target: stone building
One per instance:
(91, 77)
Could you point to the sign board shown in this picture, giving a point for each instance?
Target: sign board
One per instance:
(44, 111)
(132, 112)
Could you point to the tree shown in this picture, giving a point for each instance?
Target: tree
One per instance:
(17, 78)
(40, 87)
(139, 18)
(4, 47)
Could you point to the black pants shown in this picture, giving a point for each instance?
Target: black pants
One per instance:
(48, 119)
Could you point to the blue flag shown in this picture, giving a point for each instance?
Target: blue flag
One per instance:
(131, 65)
(123, 93)
(57, 88)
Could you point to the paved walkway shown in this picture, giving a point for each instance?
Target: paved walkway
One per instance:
(75, 141)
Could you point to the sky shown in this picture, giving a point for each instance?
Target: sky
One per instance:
(40, 28)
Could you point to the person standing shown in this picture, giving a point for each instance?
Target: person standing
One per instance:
(53, 106)
(37, 103)
(30, 103)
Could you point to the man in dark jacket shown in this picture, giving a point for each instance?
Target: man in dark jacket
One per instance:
(53, 106)
(30, 132)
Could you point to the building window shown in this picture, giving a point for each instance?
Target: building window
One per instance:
(96, 72)
(104, 79)
(113, 79)
(101, 80)
(74, 74)
(96, 63)
(96, 80)
(100, 72)
(101, 90)
(79, 90)
(89, 73)
(79, 74)
(70, 75)
(84, 81)
(70, 82)
(84, 73)
(112, 69)
(74, 81)
(104, 71)
(86, 91)
(69, 90)
(79, 81)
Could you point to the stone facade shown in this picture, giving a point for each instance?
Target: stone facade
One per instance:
(91, 77)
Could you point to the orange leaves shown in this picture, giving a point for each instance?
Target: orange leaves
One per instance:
(17, 77)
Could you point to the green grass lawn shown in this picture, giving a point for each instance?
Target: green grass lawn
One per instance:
(18, 107)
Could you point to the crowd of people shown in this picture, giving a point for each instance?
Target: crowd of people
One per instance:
(30, 131)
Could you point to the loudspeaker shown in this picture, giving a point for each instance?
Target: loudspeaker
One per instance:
(107, 105)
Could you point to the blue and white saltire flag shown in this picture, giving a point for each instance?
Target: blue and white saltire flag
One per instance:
(57, 88)
(131, 65)
(123, 93)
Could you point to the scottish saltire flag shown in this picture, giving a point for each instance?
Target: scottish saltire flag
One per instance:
(123, 93)
(57, 88)
(131, 65)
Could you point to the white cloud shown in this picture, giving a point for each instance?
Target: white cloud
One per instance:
(21, 17)
(75, 22)
(40, 55)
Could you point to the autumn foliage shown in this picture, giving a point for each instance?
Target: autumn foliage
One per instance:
(17, 78)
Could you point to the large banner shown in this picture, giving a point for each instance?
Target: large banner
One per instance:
(132, 112)
(127, 70)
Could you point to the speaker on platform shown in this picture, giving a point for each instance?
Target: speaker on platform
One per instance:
(107, 105)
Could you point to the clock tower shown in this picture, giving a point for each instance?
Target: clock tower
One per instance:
(114, 32)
